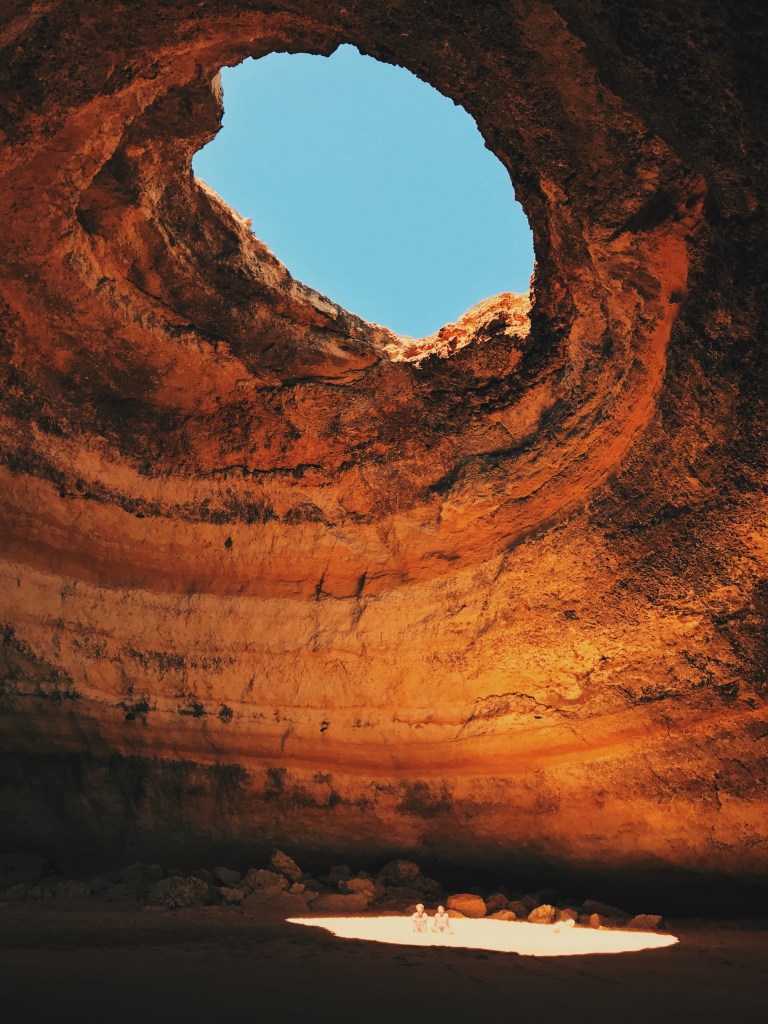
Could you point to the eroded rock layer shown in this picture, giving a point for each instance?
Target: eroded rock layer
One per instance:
(271, 574)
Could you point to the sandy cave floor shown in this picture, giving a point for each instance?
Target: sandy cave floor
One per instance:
(108, 963)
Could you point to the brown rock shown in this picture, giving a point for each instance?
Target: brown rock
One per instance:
(176, 892)
(259, 879)
(227, 877)
(339, 903)
(282, 864)
(545, 914)
(232, 895)
(467, 904)
(604, 910)
(566, 914)
(503, 915)
(645, 922)
(496, 901)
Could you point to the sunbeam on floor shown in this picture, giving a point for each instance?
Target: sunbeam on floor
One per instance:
(501, 936)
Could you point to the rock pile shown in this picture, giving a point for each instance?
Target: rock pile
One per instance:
(282, 888)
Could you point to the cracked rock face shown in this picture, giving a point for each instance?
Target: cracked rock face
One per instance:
(273, 575)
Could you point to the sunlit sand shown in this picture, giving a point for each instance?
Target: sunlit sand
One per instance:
(502, 936)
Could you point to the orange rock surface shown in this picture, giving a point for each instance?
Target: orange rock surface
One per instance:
(271, 574)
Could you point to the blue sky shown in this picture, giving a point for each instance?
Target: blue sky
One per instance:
(370, 186)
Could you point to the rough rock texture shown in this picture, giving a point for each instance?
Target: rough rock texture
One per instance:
(270, 575)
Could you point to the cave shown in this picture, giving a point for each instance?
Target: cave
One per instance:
(271, 576)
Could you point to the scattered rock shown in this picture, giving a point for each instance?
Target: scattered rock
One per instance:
(119, 893)
(519, 909)
(339, 903)
(231, 895)
(604, 910)
(467, 904)
(179, 891)
(645, 922)
(21, 869)
(567, 914)
(338, 873)
(72, 890)
(361, 885)
(259, 878)
(282, 864)
(496, 901)
(545, 914)
(227, 877)
(404, 874)
(140, 878)
(503, 915)
(16, 893)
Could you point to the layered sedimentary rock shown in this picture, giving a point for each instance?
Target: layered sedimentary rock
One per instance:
(273, 574)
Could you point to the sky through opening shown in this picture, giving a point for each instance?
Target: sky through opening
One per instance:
(370, 186)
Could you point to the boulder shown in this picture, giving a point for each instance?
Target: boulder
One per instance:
(174, 893)
(118, 893)
(503, 915)
(72, 890)
(405, 874)
(297, 888)
(21, 869)
(530, 901)
(139, 878)
(519, 909)
(338, 873)
(227, 877)
(545, 914)
(258, 878)
(205, 874)
(496, 901)
(598, 921)
(566, 914)
(231, 895)
(361, 885)
(282, 864)
(604, 910)
(643, 922)
(340, 903)
(467, 904)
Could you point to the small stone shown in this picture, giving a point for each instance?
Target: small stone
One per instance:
(545, 914)
(467, 904)
(643, 922)
(503, 915)
(227, 877)
(284, 865)
(231, 895)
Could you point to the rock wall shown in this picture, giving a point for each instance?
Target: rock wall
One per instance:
(271, 574)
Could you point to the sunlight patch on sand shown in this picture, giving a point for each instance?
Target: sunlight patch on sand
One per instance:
(501, 936)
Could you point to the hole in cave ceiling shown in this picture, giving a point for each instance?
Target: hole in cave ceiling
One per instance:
(371, 186)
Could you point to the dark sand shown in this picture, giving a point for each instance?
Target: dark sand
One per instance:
(92, 963)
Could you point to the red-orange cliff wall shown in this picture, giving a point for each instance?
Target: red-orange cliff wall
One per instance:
(265, 578)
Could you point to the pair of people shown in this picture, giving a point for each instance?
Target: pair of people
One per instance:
(441, 922)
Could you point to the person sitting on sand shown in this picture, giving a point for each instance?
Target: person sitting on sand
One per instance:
(441, 921)
(420, 918)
